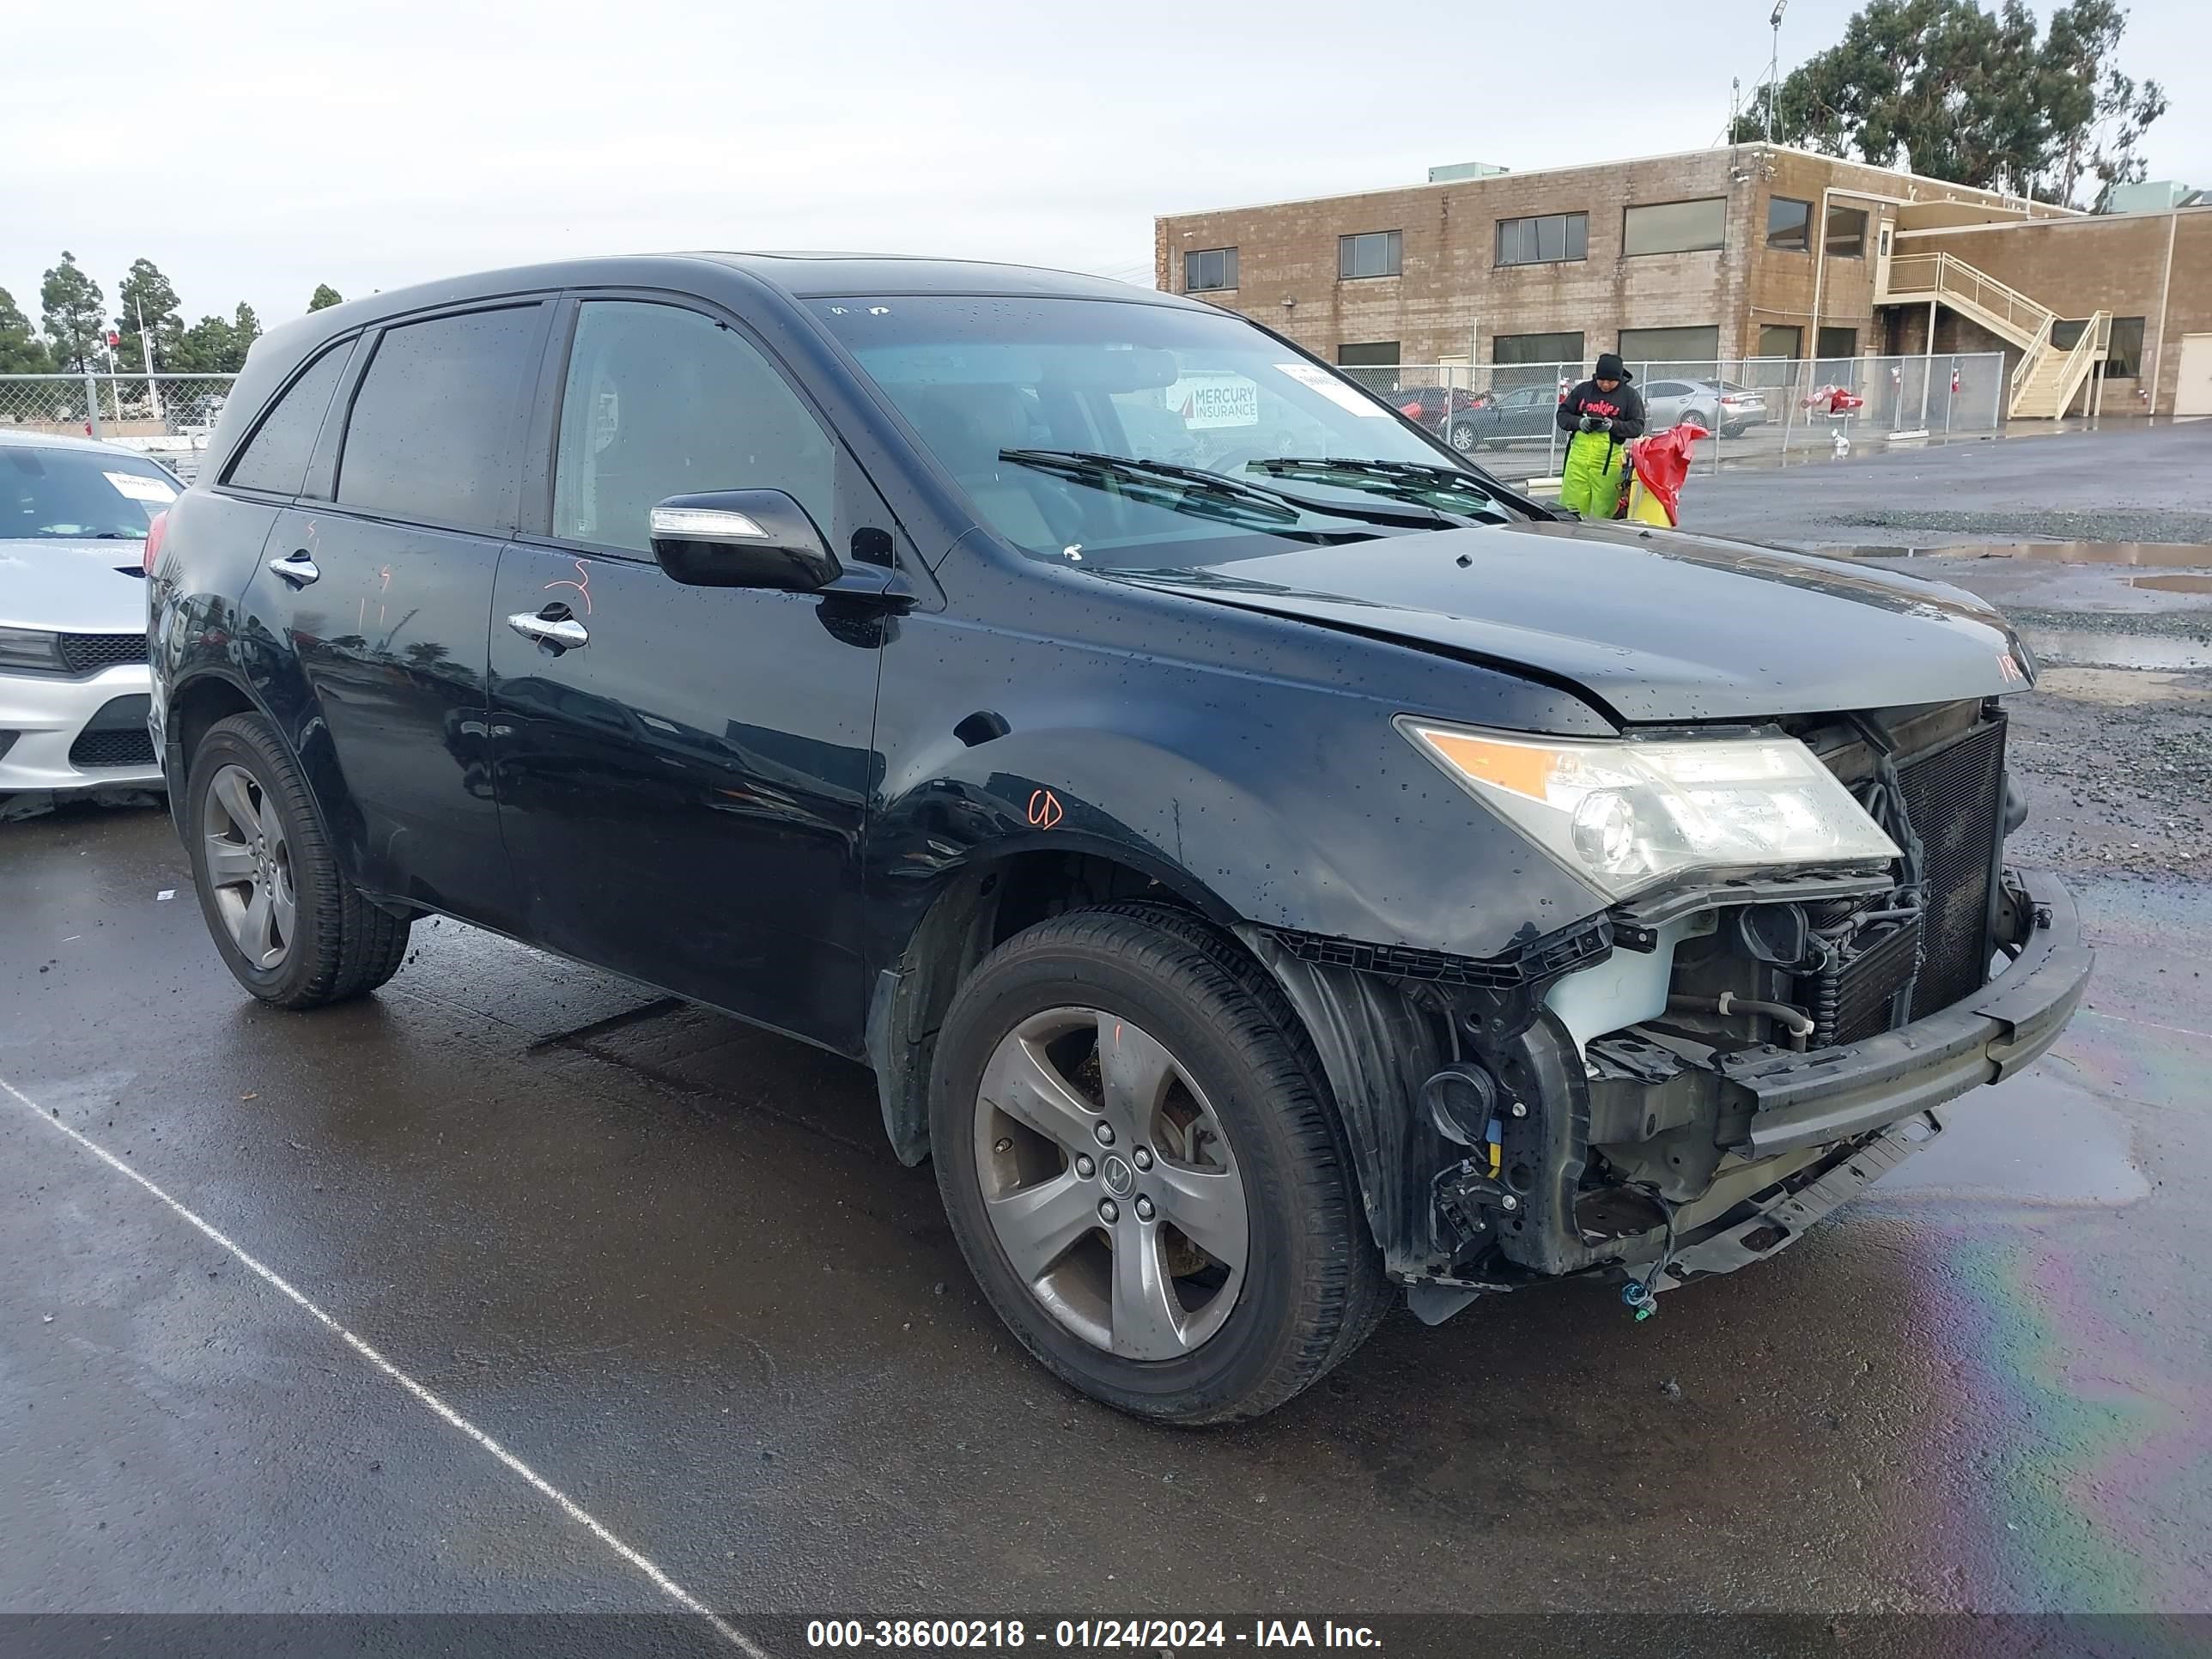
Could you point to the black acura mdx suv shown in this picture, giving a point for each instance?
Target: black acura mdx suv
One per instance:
(1270, 866)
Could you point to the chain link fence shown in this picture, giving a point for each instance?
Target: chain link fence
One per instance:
(167, 416)
(1504, 414)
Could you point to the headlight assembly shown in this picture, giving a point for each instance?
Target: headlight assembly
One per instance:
(26, 650)
(1626, 814)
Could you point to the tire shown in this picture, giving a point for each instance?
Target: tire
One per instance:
(1466, 438)
(1710, 422)
(1243, 1102)
(251, 829)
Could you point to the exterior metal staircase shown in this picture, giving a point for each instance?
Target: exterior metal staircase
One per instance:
(2048, 377)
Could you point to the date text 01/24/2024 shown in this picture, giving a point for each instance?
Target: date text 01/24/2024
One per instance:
(1144, 1635)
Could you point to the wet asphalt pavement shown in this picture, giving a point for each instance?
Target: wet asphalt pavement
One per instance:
(667, 1265)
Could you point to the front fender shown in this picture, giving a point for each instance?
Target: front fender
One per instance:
(1336, 827)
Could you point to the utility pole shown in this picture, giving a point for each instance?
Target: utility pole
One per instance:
(146, 350)
(1774, 67)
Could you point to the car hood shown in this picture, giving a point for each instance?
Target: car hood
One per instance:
(1649, 625)
(70, 585)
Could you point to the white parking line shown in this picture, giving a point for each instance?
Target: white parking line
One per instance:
(568, 1505)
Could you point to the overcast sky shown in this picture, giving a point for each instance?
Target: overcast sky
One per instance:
(254, 150)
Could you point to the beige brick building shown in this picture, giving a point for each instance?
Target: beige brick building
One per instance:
(1717, 254)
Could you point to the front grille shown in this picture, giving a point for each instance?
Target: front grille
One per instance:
(117, 735)
(112, 749)
(86, 653)
(1955, 798)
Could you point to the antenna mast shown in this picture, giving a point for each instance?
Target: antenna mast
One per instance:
(1774, 67)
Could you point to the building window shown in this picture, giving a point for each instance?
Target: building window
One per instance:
(1209, 268)
(1836, 343)
(1847, 233)
(1375, 354)
(2124, 360)
(1675, 226)
(1788, 224)
(1781, 340)
(1371, 253)
(2066, 332)
(1676, 349)
(1546, 240)
(1536, 348)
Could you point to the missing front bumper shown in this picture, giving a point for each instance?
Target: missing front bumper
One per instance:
(1834, 1094)
(1782, 1217)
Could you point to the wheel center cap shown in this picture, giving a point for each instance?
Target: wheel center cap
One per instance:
(1119, 1177)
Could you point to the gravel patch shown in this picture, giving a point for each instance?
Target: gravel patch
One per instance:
(2033, 525)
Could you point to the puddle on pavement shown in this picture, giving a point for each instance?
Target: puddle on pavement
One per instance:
(2174, 583)
(2097, 649)
(2040, 1139)
(2168, 554)
(2118, 688)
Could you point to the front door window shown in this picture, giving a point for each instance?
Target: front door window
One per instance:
(663, 401)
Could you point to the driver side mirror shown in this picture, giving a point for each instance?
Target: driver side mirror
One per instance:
(742, 538)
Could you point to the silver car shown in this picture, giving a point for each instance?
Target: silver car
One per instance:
(1722, 407)
(74, 682)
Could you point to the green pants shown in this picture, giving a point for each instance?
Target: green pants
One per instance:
(1590, 483)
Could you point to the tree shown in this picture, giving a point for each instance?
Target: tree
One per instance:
(325, 297)
(145, 292)
(73, 305)
(205, 348)
(22, 352)
(1975, 97)
(2098, 114)
(214, 346)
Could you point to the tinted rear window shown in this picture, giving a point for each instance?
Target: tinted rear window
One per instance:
(276, 457)
(431, 432)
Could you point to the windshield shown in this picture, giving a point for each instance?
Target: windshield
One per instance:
(78, 494)
(1030, 403)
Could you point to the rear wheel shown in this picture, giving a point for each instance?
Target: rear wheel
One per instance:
(287, 924)
(1466, 437)
(1135, 1151)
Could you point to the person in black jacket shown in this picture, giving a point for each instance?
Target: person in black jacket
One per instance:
(1601, 415)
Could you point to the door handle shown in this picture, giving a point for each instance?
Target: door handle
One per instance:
(296, 567)
(564, 631)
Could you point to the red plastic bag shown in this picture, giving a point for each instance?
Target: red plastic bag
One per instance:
(1834, 400)
(1662, 462)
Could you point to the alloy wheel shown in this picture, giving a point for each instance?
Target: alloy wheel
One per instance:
(249, 865)
(1111, 1184)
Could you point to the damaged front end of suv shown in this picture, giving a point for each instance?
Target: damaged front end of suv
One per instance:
(1812, 940)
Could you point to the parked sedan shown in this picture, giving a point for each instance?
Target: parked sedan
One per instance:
(74, 517)
(1719, 406)
(1525, 411)
(1429, 406)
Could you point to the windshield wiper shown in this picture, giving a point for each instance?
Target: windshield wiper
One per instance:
(1281, 506)
(1396, 477)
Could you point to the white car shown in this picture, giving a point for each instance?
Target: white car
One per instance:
(73, 676)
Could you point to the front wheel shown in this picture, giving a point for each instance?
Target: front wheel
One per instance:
(1466, 438)
(1133, 1147)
